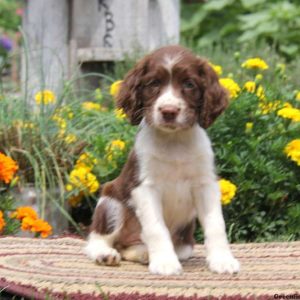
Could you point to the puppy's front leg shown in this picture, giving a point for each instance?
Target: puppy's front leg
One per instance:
(162, 257)
(219, 256)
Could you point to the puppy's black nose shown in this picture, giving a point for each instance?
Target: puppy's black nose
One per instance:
(169, 112)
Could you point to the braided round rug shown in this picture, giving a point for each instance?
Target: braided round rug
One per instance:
(58, 269)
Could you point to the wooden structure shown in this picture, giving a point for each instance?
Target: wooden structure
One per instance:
(60, 35)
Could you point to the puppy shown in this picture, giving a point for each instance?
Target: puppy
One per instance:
(148, 213)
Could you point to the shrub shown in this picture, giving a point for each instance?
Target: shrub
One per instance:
(250, 142)
(228, 21)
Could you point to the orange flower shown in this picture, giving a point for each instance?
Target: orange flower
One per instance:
(23, 212)
(42, 227)
(2, 222)
(8, 168)
(27, 223)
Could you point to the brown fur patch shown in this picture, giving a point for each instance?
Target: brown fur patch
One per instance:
(120, 190)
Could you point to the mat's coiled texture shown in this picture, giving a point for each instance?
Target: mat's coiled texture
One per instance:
(57, 269)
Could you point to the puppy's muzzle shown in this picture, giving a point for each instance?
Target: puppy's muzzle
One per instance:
(169, 113)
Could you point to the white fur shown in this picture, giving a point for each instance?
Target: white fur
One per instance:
(99, 248)
(170, 61)
(177, 182)
(184, 252)
(168, 97)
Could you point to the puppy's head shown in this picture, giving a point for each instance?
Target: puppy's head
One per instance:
(172, 89)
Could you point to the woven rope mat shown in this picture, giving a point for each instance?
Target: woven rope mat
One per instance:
(57, 269)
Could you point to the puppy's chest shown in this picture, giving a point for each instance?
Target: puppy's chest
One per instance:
(174, 181)
(172, 168)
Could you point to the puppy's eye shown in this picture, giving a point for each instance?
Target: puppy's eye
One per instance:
(188, 84)
(154, 83)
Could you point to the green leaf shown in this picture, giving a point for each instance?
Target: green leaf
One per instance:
(248, 36)
(252, 3)
(194, 21)
(217, 4)
(289, 50)
(250, 21)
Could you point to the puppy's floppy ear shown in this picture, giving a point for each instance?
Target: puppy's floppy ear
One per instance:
(128, 97)
(215, 97)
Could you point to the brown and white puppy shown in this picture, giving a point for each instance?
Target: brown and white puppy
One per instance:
(147, 214)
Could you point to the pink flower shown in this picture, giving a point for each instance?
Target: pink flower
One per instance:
(19, 11)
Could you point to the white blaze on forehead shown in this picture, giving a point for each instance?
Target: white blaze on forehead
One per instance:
(170, 60)
(168, 97)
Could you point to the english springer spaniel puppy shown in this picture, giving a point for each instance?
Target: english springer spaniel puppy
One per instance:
(148, 213)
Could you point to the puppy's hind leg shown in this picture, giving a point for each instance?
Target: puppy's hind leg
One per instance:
(136, 253)
(106, 225)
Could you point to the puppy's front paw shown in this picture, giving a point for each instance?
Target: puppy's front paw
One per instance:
(221, 262)
(110, 257)
(103, 255)
(164, 265)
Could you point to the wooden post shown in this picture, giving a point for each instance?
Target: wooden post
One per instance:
(45, 51)
(139, 26)
(62, 34)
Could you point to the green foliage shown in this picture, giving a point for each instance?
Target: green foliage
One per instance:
(229, 21)
(268, 183)
(9, 19)
(7, 205)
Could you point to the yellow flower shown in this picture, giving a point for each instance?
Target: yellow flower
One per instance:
(114, 149)
(298, 95)
(29, 125)
(115, 88)
(267, 107)
(8, 168)
(83, 179)
(228, 190)
(217, 68)
(230, 85)
(119, 113)
(292, 150)
(255, 63)
(249, 127)
(86, 160)
(61, 122)
(70, 138)
(88, 105)
(260, 93)
(69, 187)
(290, 113)
(75, 200)
(64, 111)
(2, 221)
(24, 212)
(117, 145)
(287, 105)
(250, 86)
(259, 77)
(45, 97)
